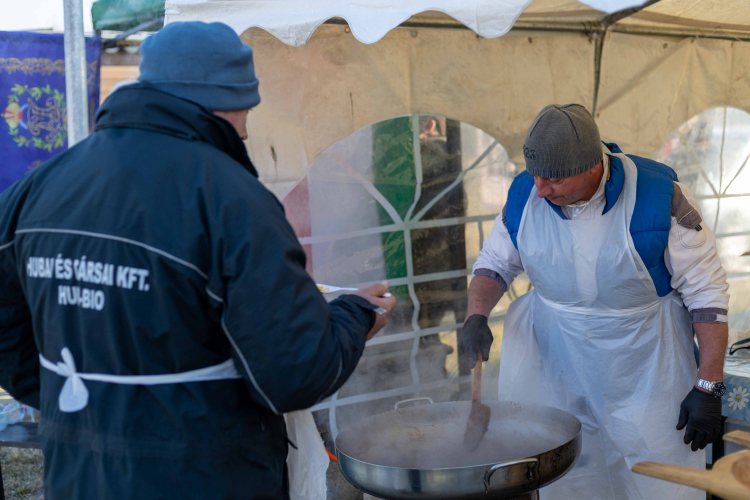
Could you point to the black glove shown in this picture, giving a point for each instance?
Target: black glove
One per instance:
(475, 337)
(702, 414)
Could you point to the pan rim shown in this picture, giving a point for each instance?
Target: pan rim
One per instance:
(575, 419)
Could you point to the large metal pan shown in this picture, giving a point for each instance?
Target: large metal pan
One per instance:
(419, 452)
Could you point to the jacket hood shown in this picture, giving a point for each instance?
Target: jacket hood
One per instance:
(142, 106)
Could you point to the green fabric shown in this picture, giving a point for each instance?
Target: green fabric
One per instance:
(121, 15)
(393, 163)
(395, 179)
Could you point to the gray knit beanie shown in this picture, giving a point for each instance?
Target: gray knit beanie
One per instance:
(563, 141)
(204, 63)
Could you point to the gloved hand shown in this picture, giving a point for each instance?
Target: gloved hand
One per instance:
(475, 337)
(701, 412)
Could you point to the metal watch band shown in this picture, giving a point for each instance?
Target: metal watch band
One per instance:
(705, 384)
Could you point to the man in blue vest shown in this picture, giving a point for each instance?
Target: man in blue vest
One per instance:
(623, 270)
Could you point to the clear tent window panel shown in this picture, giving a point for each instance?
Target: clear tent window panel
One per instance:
(710, 154)
(409, 199)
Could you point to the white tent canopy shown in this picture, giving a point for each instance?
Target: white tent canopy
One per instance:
(294, 21)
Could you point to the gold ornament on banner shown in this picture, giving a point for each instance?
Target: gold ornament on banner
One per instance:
(40, 113)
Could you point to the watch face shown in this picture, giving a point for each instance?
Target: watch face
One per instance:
(719, 389)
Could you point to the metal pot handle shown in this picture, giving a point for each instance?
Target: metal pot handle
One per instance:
(396, 406)
(532, 463)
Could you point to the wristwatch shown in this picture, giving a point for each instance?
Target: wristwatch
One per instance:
(716, 388)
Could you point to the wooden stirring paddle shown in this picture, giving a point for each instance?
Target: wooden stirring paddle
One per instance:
(479, 418)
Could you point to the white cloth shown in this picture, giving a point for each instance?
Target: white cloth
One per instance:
(690, 257)
(309, 462)
(693, 261)
(294, 21)
(74, 395)
(594, 339)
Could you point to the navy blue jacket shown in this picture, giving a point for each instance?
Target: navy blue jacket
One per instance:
(152, 248)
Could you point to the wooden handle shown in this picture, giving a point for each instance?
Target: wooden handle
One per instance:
(741, 438)
(477, 393)
(722, 484)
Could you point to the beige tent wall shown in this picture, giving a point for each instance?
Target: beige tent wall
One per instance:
(652, 85)
(315, 95)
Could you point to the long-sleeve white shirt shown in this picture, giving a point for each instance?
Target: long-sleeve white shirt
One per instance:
(690, 257)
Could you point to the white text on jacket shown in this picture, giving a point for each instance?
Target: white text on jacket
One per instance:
(86, 271)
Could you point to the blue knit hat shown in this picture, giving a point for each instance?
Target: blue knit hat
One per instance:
(204, 63)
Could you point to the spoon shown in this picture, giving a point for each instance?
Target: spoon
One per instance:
(334, 289)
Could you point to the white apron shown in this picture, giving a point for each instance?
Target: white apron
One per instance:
(594, 339)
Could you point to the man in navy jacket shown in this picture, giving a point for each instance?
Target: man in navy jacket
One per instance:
(154, 303)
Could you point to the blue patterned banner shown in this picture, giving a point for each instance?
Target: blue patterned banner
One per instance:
(32, 92)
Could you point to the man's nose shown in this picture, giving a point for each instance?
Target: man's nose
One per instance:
(543, 189)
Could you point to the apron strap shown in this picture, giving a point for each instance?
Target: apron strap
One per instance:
(74, 395)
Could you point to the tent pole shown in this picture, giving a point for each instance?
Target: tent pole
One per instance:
(622, 14)
(605, 24)
(598, 49)
(76, 93)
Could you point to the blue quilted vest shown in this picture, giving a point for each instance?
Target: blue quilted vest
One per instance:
(652, 214)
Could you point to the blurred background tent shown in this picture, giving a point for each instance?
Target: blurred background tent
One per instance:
(392, 130)
(124, 15)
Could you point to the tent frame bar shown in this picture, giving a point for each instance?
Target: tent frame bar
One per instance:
(76, 89)
(737, 36)
(113, 42)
